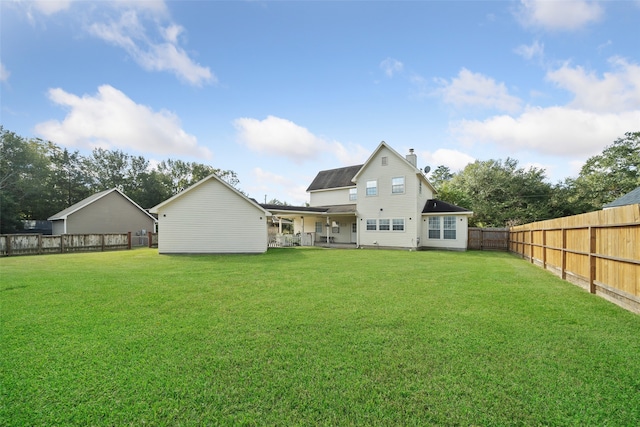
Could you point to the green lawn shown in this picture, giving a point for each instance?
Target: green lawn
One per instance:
(309, 337)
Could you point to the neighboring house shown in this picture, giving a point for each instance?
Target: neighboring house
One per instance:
(109, 211)
(631, 198)
(386, 202)
(211, 217)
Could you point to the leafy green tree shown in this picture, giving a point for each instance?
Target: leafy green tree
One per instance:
(609, 175)
(500, 193)
(24, 167)
(68, 180)
(441, 175)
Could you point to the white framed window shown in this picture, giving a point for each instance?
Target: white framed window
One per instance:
(384, 225)
(335, 227)
(397, 185)
(319, 227)
(449, 229)
(353, 194)
(372, 188)
(371, 225)
(397, 224)
(434, 227)
(385, 161)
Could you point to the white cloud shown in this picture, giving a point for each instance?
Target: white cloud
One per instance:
(279, 137)
(166, 55)
(284, 138)
(475, 89)
(112, 120)
(559, 15)
(351, 154)
(616, 91)
(556, 130)
(391, 66)
(453, 159)
(535, 50)
(279, 187)
(4, 73)
(50, 7)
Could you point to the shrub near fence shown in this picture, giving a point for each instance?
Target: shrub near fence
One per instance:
(599, 251)
(36, 244)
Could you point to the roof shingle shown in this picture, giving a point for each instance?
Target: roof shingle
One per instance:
(334, 178)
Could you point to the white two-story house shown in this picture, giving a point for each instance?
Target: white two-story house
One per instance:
(387, 202)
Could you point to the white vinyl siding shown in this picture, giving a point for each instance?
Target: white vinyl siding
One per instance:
(211, 218)
(336, 196)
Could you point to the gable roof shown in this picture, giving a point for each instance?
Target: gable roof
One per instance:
(438, 206)
(399, 156)
(63, 214)
(334, 178)
(202, 181)
(631, 198)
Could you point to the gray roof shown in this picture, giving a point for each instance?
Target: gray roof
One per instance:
(81, 204)
(63, 214)
(438, 206)
(631, 198)
(333, 209)
(334, 178)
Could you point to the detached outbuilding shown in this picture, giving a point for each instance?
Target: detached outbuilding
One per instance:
(211, 217)
(109, 211)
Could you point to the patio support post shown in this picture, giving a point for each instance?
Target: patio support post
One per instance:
(328, 228)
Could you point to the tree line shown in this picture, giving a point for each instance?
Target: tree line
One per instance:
(39, 178)
(501, 193)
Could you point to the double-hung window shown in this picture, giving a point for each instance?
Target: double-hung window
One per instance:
(383, 225)
(398, 224)
(371, 225)
(353, 194)
(397, 185)
(434, 227)
(449, 227)
(319, 227)
(372, 188)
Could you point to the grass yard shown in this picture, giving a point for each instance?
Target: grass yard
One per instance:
(309, 337)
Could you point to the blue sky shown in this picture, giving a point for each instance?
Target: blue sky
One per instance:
(278, 90)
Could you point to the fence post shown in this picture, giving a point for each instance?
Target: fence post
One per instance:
(592, 259)
(8, 242)
(563, 267)
(102, 242)
(544, 249)
(39, 244)
(128, 240)
(149, 239)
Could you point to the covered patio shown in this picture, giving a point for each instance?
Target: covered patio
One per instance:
(324, 226)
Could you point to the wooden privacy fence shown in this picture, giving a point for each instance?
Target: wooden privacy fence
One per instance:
(37, 244)
(488, 238)
(599, 251)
